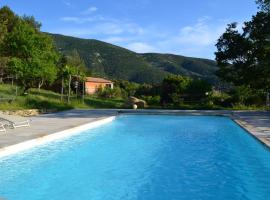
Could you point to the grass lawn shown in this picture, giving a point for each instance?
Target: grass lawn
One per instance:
(49, 100)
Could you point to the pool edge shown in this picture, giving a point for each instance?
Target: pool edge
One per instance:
(19, 147)
(252, 131)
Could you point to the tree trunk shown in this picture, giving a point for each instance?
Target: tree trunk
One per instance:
(25, 90)
(268, 100)
(62, 89)
(69, 88)
(40, 85)
(83, 92)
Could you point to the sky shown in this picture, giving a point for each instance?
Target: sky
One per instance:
(183, 27)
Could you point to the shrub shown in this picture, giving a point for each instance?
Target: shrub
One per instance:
(219, 98)
(152, 100)
(109, 93)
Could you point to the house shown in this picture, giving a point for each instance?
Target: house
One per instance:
(92, 84)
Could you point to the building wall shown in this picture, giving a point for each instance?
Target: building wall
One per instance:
(91, 87)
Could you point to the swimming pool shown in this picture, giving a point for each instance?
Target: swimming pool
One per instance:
(146, 157)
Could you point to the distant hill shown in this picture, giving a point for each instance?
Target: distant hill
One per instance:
(115, 62)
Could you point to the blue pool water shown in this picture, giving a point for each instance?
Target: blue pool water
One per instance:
(143, 158)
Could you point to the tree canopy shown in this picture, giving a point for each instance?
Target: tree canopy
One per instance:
(31, 54)
(243, 56)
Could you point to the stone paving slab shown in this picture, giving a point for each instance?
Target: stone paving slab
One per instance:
(257, 123)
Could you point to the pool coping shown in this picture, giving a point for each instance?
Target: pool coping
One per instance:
(28, 144)
(253, 132)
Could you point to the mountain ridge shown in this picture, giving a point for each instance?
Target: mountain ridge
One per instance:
(111, 61)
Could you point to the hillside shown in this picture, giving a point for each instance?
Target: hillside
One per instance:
(111, 61)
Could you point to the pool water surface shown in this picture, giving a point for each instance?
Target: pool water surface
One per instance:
(143, 157)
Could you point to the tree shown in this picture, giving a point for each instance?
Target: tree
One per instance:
(77, 62)
(8, 20)
(31, 21)
(232, 55)
(244, 57)
(198, 89)
(129, 88)
(173, 88)
(32, 55)
(257, 31)
(71, 67)
(264, 5)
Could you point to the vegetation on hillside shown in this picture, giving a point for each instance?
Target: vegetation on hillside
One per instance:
(114, 62)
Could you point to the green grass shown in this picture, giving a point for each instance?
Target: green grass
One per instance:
(202, 106)
(48, 100)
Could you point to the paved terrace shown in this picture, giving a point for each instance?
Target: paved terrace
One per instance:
(51, 123)
(257, 123)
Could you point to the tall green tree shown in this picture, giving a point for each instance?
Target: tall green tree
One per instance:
(32, 56)
(31, 21)
(8, 20)
(75, 61)
(243, 57)
(264, 5)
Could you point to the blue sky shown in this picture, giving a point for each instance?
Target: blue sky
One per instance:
(185, 27)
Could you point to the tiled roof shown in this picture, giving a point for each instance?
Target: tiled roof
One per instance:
(97, 80)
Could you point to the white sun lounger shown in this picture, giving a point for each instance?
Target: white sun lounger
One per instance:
(13, 121)
(2, 128)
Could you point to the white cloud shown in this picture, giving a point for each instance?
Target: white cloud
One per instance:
(77, 20)
(92, 31)
(67, 3)
(197, 39)
(82, 20)
(201, 33)
(108, 29)
(141, 47)
(98, 24)
(90, 10)
(116, 39)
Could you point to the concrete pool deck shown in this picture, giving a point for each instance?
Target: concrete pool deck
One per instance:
(59, 124)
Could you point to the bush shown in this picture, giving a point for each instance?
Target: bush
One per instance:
(219, 99)
(127, 88)
(244, 95)
(152, 100)
(109, 93)
(172, 89)
(197, 90)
